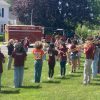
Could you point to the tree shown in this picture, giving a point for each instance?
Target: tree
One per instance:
(53, 13)
(95, 7)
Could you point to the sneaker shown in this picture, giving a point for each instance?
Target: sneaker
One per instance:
(84, 83)
(49, 78)
(32, 81)
(67, 63)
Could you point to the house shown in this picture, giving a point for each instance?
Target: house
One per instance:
(12, 19)
(4, 15)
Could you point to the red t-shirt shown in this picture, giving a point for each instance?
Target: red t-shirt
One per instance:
(1, 61)
(63, 56)
(89, 51)
(38, 53)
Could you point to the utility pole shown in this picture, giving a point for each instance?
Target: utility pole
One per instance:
(32, 17)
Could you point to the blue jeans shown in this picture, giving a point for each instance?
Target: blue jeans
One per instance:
(95, 67)
(0, 80)
(38, 70)
(62, 67)
(18, 76)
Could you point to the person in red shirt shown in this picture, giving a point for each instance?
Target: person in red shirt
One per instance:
(73, 55)
(19, 56)
(63, 58)
(69, 43)
(89, 50)
(38, 55)
(2, 60)
(52, 52)
(26, 44)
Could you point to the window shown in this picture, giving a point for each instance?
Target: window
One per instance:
(1, 12)
(2, 28)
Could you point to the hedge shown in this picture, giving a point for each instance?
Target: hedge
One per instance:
(1, 38)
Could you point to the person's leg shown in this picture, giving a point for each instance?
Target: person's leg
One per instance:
(9, 62)
(72, 65)
(99, 64)
(61, 68)
(16, 77)
(39, 71)
(68, 57)
(35, 70)
(89, 71)
(94, 68)
(52, 73)
(75, 64)
(78, 61)
(64, 68)
(85, 72)
(49, 72)
(21, 73)
(0, 80)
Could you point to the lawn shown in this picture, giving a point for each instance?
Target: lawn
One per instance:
(69, 88)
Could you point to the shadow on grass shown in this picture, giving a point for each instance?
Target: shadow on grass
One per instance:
(97, 79)
(25, 68)
(73, 75)
(32, 87)
(63, 78)
(79, 72)
(95, 84)
(52, 81)
(10, 91)
(5, 86)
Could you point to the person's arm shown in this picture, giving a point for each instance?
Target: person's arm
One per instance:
(56, 55)
(25, 56)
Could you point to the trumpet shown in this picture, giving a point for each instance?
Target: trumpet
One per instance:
(85, 45)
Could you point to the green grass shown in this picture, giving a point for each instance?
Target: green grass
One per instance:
(70, 88)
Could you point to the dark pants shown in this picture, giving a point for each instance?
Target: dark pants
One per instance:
(99, 64)
(38, 70)
(0, 80)
(63, 68)
(51, 69)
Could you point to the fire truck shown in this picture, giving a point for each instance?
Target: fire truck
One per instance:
(34, 33)
(19, 32)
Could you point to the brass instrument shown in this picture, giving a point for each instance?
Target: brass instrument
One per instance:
(86, 44)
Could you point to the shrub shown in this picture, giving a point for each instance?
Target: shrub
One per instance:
(1, 37)
(83, 31)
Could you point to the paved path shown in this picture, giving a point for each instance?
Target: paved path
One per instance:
(5, 51)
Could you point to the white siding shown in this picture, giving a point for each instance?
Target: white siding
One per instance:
(5, 19)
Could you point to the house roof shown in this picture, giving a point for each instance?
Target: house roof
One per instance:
(4, 3)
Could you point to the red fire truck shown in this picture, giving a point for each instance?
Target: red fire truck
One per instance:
(34, 33)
